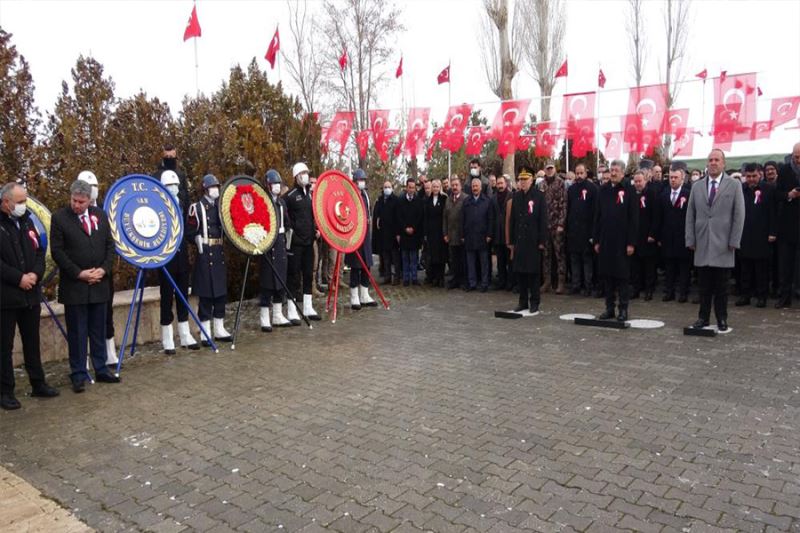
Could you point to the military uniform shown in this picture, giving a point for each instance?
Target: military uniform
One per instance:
(527, 230)
(359, 280)
(555, 196)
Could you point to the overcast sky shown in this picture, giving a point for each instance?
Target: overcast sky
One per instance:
(140, 45)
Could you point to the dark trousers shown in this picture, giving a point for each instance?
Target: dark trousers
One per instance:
(301, 265)
(504, 271)
(270, 296)
(457, 265)
(390, 262)
(168, 295)
(774, 279)
(582, 266)
(211, 307)
(614, 286)
(712, 283)
(643, 273)
(676, 276)
(787, 252)
(358, 278)
(27, 318)
(529, 285)
(86, 327)
(436, 273)
(410, 261)
(754, 274)
(110, 312)
(481, 255)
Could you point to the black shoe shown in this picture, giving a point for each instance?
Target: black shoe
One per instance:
(78, 386)
(534, 308)
(266, 329)
(623, 315)
(607, 315)
(574, 291)
(169, 352)
(648, 296)
(722, 325)
(742, 301)
(700, 324)
(194, 346)
(107, 378)
(415, 283)
(484, 289)
(405, 283)
(761, 302)
(355, 307)
(44, 390)
(520, 308)
(597, 294)
(469, 289)
(695, 299)
(9, 402)
(635, 295)
(586, 293)
(668, 297)
(682, 298)
(223, 339)
(783, 303)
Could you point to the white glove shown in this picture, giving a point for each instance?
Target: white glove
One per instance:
(198, 240)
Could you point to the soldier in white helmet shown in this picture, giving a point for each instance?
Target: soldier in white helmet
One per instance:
(111, 350)
(301, 245)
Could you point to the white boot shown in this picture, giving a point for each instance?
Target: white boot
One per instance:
(167, 341)
(308, 308)
(355, 303)
(291, 313)
(264, 317)
(366, 300)
(207, 327)
(278, 320)
(185, 336)
(220, 333)
(111, 352)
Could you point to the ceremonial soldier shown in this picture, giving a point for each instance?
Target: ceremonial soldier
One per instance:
(526, 234)
(301, 245)
(555, 196)
(359, 280)
(581, 197)
(671, 224)
(21, 271)
(615, 233)
(111, 350)
(274, 263)
(760, 219)
(644, 259)
(178, 268)
(209, 276)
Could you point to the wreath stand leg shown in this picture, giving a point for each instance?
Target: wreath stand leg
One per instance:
(239, 307)
(136, 289)
(180, 295)
(336, 276)
(53, 315)
(288, 292)
(371, 279)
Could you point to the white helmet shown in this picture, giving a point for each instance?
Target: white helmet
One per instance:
(88, 176)
(299, 168)
(169, 177)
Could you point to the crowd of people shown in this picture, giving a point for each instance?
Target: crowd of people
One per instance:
(609, 235)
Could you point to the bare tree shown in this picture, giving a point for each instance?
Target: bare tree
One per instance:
(638, 43)
(305, 63)
(545, 28)
(676, 22)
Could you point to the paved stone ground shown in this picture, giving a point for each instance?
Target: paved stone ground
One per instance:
(436, 416)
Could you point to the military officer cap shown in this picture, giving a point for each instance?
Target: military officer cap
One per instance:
(359, 175)
(210, 180)
(272, 176)
(645, 164)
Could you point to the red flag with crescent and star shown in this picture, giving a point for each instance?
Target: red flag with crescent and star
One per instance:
(547, 136)
(649, 104)
(192, 27)
(455, 123)
(563, 70)
(613, 145)
(378, 125)
(577, 106)
(601, 79)
(684, 144)
(676, 121)
(583, 137)
(438, 136)
(340, 128)
(476, 138)
(399, 71)
(343, 60)
(362, 141)
(761, 130)
(784, 110)
(272, 51)
(736, 96)
(444, 76)
(417, 130)
(507, 125)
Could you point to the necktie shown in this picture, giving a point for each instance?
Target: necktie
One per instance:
(86, 227)
(674, 198)
(713, 192)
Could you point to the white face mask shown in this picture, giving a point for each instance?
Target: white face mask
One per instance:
(302, 179)
(19, 210)
(361, 185)
(213, 193)
(275, 188)
(475, 172)
(387, 191)
(173, 190)
(95, 192)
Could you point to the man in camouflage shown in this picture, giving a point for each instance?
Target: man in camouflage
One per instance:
(555, 195)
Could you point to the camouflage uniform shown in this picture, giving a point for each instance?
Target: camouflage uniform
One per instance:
(555, 195)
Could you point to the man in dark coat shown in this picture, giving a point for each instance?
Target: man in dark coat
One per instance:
(759, 231)
(505, 270)
(478, 223)
(526, 234)
(671, 228)
(21, 270)
(788, 197)
(359, 280)
(451, 227)
(301, 244)
(409, 232)
(82, 247)
(384, 234)
(643, 262)
(179, 268)
(433, 214)
(272, 276)
(581, 198)
(210, 276)
(615, 232)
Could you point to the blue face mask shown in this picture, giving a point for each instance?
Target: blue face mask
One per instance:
(173, 189)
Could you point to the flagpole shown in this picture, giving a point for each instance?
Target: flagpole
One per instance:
(566, 133)
(597, 122)
(449, 86)
(196, 70)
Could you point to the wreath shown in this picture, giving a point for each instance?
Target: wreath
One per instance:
(249, 215)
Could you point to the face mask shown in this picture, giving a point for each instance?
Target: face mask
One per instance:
(94, 193)
(19, 210)
(170, 163)
(302, 179)
(362, 185)
(173, 190)
(213, 193)
(275, 188)
(475, 172)
(387, 191)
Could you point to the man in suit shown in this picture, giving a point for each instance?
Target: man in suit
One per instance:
(478, 220)
(671, 230)
(505, 270)
(758, 233)
(643, 262)
(21, 271)
(82, 247)
(581, 198)
(409, 232)
(383, 234)
(714, 224)
(451, 227)
(788, 196)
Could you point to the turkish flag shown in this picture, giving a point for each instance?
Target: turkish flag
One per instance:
(455, 123)
(192, 27)
(650, 140)
(761, 130)
(684, 144)
(438, 136)
(601, 79)
(636, 137)
(703, 74)
(613, 145)
(444, 75)
(727, 125)
(784, 110)
(547, 136)
(398, 149)
(524, 142)
(399, 71)
(733, 94)
(510, 115)
(272, 51)
(323, 140)
(340, 128)
(650, 104)
(383, 147)
(343, 59)
(362, 141)
(476, 137)
(583, 137)
(417, 130)
(576, 107)
(562, 70)
(676, 121)
(378, 124)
